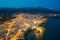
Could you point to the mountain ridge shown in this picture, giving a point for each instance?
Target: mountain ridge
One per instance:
(6, 13)
(10, 11)
(38, 9)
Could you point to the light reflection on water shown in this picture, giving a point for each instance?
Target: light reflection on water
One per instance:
(52, 30)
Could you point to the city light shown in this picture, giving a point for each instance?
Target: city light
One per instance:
(16, 27)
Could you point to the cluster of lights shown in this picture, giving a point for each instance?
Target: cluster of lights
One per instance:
(21, 23)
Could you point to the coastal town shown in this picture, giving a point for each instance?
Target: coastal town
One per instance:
(23, 24)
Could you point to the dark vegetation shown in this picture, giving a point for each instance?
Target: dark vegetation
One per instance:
(6, 13)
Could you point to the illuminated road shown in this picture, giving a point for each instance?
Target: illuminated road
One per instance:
(18, 26)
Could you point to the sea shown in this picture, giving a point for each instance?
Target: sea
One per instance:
(52, 30)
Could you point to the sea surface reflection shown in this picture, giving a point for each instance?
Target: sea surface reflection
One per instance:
(52, 30)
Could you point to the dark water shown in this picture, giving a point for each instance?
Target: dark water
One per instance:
(52, 30)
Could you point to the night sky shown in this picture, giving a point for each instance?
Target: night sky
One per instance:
(51, 4)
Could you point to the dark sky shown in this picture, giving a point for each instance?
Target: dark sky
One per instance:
(51, 4)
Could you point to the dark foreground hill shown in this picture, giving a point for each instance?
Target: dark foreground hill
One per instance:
(7, 12)
(27, 10)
